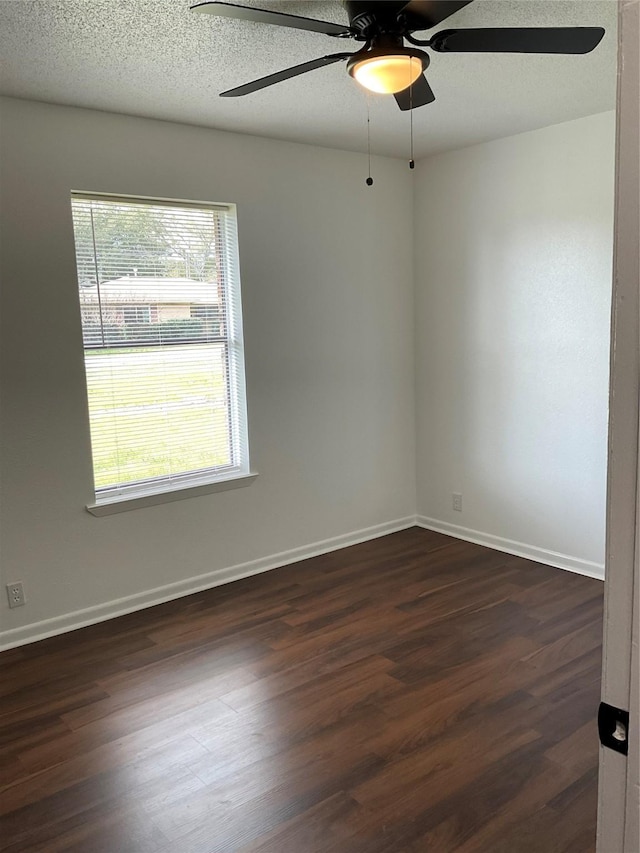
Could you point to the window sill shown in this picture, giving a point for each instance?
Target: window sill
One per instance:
(126, 504)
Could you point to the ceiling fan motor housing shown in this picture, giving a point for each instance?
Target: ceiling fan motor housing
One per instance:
(370, 19)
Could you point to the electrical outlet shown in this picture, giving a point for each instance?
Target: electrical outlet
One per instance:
(15, 594)
(457, 502)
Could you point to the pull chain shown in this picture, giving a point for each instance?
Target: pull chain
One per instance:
(412, 164)
(369, 180)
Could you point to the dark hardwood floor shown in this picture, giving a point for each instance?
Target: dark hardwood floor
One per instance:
(410, 694)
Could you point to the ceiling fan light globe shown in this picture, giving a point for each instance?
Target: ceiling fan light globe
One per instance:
(387, 74)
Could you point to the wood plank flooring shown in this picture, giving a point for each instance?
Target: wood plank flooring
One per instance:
(414, 693)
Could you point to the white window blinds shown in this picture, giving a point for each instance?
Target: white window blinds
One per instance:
(161, 320)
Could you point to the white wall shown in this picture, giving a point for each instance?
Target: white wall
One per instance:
(513, 257)
(512, 246)
(327, 283)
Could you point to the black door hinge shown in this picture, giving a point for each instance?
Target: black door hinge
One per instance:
(613, 727)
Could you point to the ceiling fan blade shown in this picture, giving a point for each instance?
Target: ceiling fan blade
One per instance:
(416, 95)
(424, 14)
(521, 40)
(263, 16)
(279, 76)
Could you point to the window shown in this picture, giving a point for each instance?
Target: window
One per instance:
(210, 315)
(161, 318)
(133, 314)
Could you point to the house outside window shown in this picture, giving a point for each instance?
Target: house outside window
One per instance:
(159, 293)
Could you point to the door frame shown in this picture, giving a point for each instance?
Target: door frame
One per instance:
(618, 784)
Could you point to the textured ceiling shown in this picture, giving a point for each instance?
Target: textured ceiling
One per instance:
(158, 59)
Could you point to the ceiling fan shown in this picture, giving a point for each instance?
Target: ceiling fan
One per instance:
(384, 64)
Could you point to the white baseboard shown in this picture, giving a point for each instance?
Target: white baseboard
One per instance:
(519, 549)
(119, 607)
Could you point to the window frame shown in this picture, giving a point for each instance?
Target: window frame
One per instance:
(165, 488)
